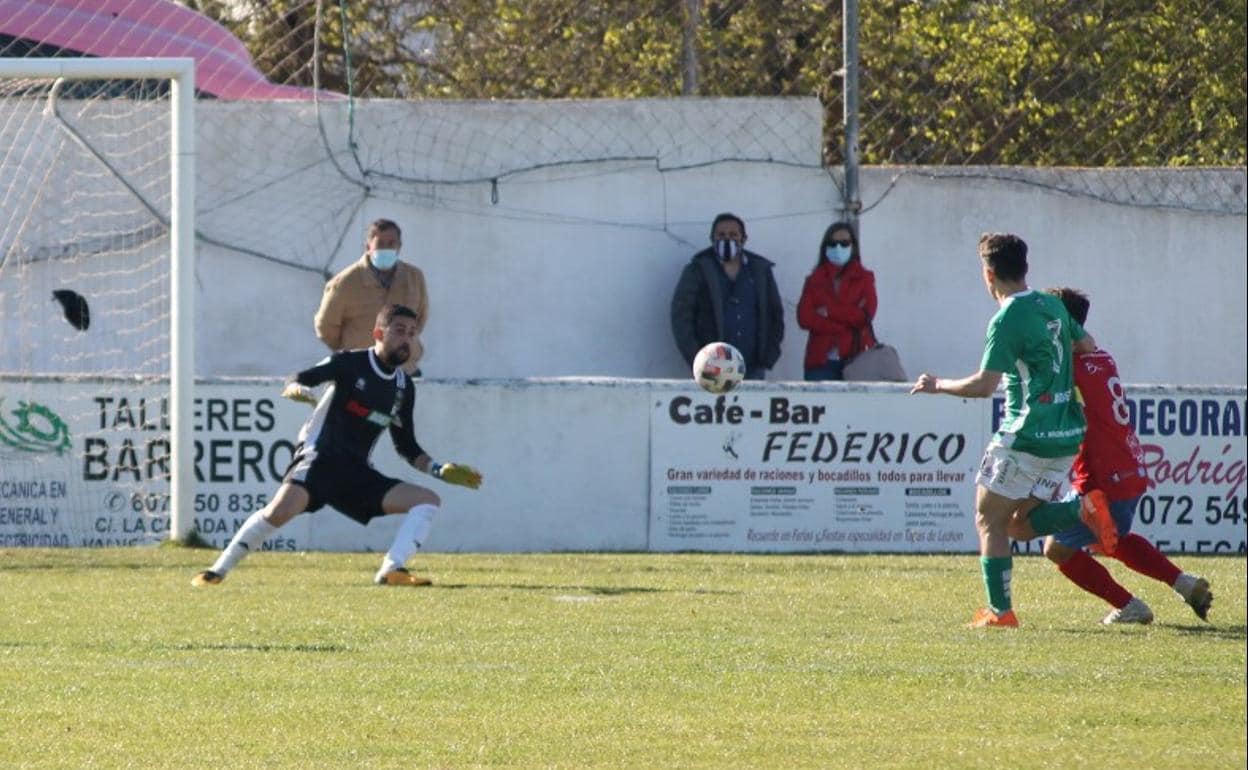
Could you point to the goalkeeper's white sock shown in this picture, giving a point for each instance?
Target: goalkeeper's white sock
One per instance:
(246, 539)
(411, 536)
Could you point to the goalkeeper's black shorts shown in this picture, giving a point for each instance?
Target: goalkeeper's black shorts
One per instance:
(346, 483)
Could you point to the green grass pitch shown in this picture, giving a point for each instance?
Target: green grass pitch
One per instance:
(110, 659)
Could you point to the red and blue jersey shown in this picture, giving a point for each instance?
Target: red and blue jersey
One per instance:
(1110, 458)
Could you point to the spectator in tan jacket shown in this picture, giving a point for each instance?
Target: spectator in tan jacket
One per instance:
(353, 297)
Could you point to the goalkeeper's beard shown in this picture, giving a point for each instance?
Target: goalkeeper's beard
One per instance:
(397, 356)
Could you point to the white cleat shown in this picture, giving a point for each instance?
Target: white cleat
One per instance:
(1135, 611)
(1195, 591)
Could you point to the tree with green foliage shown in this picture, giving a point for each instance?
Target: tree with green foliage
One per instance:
(1032, 82)
(1025, 82)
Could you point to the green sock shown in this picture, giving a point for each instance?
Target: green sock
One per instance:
(1051, 518)
(997, 580)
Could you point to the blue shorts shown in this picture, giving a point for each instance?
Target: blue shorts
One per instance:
(1123, 513)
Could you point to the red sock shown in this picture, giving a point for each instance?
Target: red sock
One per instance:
(1142, 556)
(1091, 576)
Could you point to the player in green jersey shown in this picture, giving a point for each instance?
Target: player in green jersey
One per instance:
(1029, 343)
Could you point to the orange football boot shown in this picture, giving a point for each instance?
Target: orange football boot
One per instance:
(986, 618)
(401, 577)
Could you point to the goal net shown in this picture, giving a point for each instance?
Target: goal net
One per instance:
(95, 250)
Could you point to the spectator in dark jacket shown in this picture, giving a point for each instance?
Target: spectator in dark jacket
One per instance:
(837, 305)
(728, 294)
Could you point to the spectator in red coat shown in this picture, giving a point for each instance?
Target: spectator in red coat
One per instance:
(837, 305)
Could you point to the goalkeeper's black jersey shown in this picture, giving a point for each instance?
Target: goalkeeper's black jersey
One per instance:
(363, 400)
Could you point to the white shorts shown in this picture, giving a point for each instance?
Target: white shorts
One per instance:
(1017, 475)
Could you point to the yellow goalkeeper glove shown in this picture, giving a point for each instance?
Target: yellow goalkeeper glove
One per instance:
(453, 473)
(296, 392)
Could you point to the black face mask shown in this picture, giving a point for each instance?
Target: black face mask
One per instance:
(726, 249)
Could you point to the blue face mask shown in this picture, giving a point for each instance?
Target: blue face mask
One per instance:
(837, 255)
(384, 259)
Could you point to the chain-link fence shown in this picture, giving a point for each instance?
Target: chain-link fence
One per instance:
(950, 82)
(969, 86)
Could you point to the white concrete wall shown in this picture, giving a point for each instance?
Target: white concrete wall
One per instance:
(567, 465)
(567, 269)
(1168, 287)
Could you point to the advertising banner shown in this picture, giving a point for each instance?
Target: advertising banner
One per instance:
(85, 463)
(813, 471)
(1194, 448)
(778, 468)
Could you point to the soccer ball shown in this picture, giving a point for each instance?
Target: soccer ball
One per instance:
(718, 367)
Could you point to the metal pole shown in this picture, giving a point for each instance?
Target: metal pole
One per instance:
(852, 204)
(182, 309)
(689, 49)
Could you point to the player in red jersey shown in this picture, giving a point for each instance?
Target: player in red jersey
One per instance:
(1110, 460)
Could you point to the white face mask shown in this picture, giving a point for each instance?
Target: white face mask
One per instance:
(384, 259)
(727, 249)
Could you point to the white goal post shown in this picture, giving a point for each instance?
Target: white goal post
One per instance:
(180, 222)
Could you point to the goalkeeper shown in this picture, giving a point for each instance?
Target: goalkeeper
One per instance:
(368, 392)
